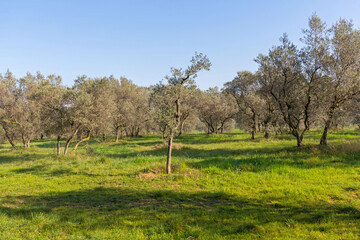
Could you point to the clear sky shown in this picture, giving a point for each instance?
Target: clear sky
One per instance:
(141, 40)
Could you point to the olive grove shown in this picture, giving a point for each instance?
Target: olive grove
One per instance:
(295, 89)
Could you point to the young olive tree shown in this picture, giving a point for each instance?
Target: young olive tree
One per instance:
(162, 99)
(177, 81)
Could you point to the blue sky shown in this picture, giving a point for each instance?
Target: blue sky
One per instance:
(143, 39)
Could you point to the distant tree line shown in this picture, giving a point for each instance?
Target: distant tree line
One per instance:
(292, 90)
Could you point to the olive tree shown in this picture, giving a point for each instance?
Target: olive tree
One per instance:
(54, 100)
(177, 81)
(281, 77)
(90, 108)
(216, 108)
(8, 107)
(343, 69)
(244, 88)
(132, 110)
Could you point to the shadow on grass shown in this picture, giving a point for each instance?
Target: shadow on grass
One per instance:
(14, 156)
(255, 159)
(164, 211)
(258, 157)
(264, 159)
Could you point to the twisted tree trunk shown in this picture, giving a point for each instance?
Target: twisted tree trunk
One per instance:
(323, 140)
(181, 128)
(299, 139)
(82, 140)
(67, 144)
(26, 141)
(8, 137)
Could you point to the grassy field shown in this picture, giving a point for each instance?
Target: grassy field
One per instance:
(223, 187)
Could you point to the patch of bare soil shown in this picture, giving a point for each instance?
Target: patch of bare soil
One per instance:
(152, 173)
(175, 146)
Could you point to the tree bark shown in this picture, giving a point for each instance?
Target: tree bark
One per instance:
(299, 140)
(58, 145)
(266, 135)
(117, 134)
(132, 131)
(330, 114)
(181, 128)
(168, 160)
(67, 144)
(26, 142)
(323, 140)
(82, 140)
(266, 129)
(253, 131)
(171, 136)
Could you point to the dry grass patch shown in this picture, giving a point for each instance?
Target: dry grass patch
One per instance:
(176, 146)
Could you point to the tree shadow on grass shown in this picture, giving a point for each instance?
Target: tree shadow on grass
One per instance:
(256, 159)
(172, 212)
(14, 156)
(190, 138)
(204, 138)
(262, 160)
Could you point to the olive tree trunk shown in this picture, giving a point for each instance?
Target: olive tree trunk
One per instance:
(117, 134)
(82, 140)
(67, 144)
(9, 138)
(169, 152)
(253, 130)
(58, 146)
(323, 140)
(171, 137)
(299, 139)
(26, 141)
(181, 128)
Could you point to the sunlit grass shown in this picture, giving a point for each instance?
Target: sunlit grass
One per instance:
(223, 187)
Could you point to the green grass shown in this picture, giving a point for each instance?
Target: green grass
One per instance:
(223, 187)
